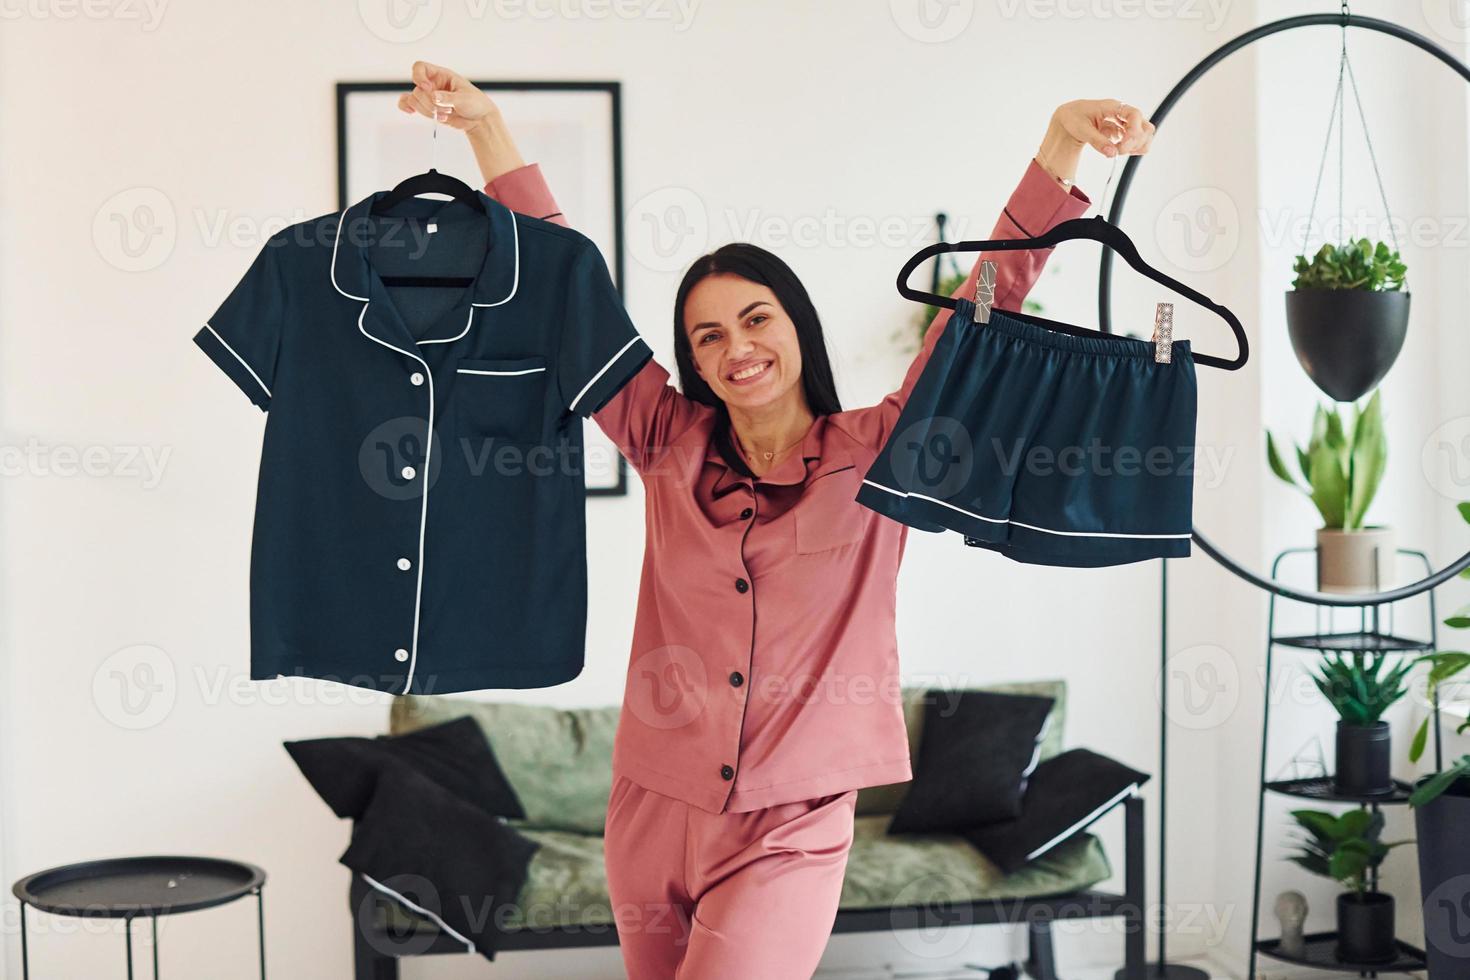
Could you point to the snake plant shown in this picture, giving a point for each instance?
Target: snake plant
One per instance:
(1341, 466)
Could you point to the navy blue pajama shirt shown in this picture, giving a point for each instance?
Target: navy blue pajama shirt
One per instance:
(385, 557)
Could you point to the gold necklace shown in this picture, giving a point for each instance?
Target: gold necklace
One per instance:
(767, 455)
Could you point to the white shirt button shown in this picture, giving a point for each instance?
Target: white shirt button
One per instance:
(416, 379)
(408, 472)
(400, 655)
(404, 564)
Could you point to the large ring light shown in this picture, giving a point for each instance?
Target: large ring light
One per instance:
(1104, 287)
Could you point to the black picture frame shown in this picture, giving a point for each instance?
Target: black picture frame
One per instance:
(613, 90)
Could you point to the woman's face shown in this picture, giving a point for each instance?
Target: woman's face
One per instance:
(744, 344)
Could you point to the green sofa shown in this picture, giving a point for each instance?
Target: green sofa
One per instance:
(559, 762)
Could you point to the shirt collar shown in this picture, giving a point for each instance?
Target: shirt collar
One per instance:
(499, 273)
(817, 456)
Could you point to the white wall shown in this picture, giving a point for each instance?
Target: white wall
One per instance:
(763, 114)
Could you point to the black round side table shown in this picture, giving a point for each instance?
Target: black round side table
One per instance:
(134, 887)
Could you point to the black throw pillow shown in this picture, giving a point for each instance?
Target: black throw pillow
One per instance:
(439, 857)
(455, 754)
(976, 750)
(1066, 794)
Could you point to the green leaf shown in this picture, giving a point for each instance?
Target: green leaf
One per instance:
(1278, 466)
(1421, 739)
(1329, 484)
(1369, 457)
(1434, 787)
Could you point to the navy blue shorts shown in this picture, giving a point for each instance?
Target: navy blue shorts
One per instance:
(1049, 448)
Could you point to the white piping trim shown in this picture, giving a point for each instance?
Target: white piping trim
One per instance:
(610, 362)
(419, 909)
(515, 282)
(468, 320)
(1079, 825)
(418, 593)
(240, 359)
(505, 373)
(1032, 527)
(333, 269)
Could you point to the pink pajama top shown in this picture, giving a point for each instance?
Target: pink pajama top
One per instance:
(764, 666)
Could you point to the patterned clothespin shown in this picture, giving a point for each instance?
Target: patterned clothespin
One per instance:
(984, 291)
(1164, 333)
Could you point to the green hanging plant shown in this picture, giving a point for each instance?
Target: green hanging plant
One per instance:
(1352, 265)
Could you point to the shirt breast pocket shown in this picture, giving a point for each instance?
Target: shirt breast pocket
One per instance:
(828, 515)
(502, 398)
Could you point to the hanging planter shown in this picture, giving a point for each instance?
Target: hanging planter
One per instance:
(1348, 311)
(1341, 468)
(1347, 316)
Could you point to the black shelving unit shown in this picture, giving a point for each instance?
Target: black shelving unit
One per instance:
(1375, 634)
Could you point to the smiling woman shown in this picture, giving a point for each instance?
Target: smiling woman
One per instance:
(763, 681)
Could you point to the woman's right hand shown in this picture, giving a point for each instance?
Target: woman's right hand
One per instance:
(460, 104)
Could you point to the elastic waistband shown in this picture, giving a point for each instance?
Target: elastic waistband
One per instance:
(1002, 322)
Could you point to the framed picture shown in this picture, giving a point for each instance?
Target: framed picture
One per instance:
(572, 129)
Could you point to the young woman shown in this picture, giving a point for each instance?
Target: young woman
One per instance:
(763, 682)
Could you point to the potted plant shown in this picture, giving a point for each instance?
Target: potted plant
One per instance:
(1358, 688)
(1441, 803)
(1346, 848)
(1347, 314)
(1341, 467)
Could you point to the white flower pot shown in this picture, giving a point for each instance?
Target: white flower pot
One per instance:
(1356, 562)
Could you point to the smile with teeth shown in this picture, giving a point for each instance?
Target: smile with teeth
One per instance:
(755, 370)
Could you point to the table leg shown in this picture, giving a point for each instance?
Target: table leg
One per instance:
(128, 931)
(260, 926)
(25, 952)
(155, 946)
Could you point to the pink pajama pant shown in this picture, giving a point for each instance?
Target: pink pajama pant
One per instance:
(724, 896)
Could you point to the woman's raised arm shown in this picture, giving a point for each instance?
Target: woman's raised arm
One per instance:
(648, 412)
(1044, 197)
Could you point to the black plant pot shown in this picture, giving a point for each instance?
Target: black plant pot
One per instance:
(1363, 753)
(1442, 827)
(1347, 339)
(1365, 928)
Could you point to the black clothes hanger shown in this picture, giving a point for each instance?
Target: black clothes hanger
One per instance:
(1097, 229)
(429, 182)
